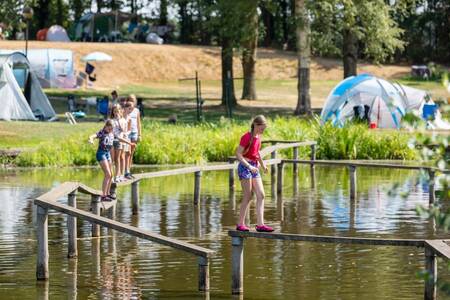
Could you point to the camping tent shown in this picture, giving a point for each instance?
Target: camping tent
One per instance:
(21, 95)
(380, 102)
(57, 33)
(100, 26)
(53, 67)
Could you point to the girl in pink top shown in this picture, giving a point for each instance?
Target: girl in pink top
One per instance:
(248, 170)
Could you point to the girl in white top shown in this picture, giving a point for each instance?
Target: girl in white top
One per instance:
(119, 131)
(135, 131)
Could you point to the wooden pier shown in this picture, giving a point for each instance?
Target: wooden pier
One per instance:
(48, 201)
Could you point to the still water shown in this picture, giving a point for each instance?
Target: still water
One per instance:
(118, 266)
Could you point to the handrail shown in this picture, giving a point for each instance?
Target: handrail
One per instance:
(361, 164)
(197, 250)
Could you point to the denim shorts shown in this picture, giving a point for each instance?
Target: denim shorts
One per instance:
(245, 173)
(133, 136)
(117, 144)
(102, 155)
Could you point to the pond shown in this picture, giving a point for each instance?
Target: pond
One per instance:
(118, 266)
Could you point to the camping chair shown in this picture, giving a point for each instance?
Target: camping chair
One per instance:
(103, 107)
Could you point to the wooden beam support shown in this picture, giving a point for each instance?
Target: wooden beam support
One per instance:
(237, 265)
(135, 197)
(95, 206)
(72, 228)
(203, 274)
(197, 187)
(42, 243)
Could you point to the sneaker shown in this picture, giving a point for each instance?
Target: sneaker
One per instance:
(129, 176)
(242, 228)
(264, 228)
(112, 196)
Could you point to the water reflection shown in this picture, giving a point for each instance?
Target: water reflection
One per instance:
(316, 201)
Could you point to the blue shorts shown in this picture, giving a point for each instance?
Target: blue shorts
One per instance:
(133, 136)
(102, 155)
(245, 173)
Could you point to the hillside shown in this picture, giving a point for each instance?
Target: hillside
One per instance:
(143, 63)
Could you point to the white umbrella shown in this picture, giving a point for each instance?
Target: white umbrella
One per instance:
(97, 56)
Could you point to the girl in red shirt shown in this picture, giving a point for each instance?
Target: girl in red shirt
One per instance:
(248, 170)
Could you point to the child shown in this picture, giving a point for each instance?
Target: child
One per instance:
(119, 127)
(106, 138)
(135, 131)
(248, 170)
(128, 107)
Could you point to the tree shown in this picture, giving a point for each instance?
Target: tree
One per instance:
(249, 44)
(361, 28)
(163, 12)
(10, 14)
(303, 53)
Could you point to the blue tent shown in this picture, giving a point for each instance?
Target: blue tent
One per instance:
(367, 97)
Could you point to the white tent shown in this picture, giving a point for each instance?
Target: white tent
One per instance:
(57, 33)
(382, 103)
(21, 95)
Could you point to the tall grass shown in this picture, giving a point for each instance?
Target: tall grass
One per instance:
(208, 142)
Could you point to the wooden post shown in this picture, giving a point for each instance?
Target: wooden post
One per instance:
(432, 197)
(431, 268)
(237, 265)
(313, 176)
(231, 175)
(72, 279)
(42, 243)
(295, 172)
(135, 197)
(203, 274)
(352, 175)
(112, 212)
(295, 156)
(95, 204)
(72, 228)
(273, 170)
(313, 153)
(197, 186)
(280, 172)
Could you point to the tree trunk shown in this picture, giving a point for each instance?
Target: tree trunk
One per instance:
(42, 12)
(350, 53)
(249, 56)
(163, 13)
(268, 22)
(59, 12)
(183, 21)
(133, 7)
(227, 69)
(100, 5)
(303, 53)
(78, 8)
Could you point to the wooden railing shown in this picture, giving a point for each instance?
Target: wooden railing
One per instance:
(433, 248)
(49, 201)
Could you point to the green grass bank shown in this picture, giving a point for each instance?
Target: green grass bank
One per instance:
(59, 144)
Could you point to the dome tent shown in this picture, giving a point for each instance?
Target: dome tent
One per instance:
(32, 103)
(379, 101)
(57, 33)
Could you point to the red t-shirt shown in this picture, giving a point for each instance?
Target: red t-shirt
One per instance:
(252, 152)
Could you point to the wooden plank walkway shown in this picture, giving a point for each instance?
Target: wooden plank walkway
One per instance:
(359, 164)
(327, 239)
(134, 231)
